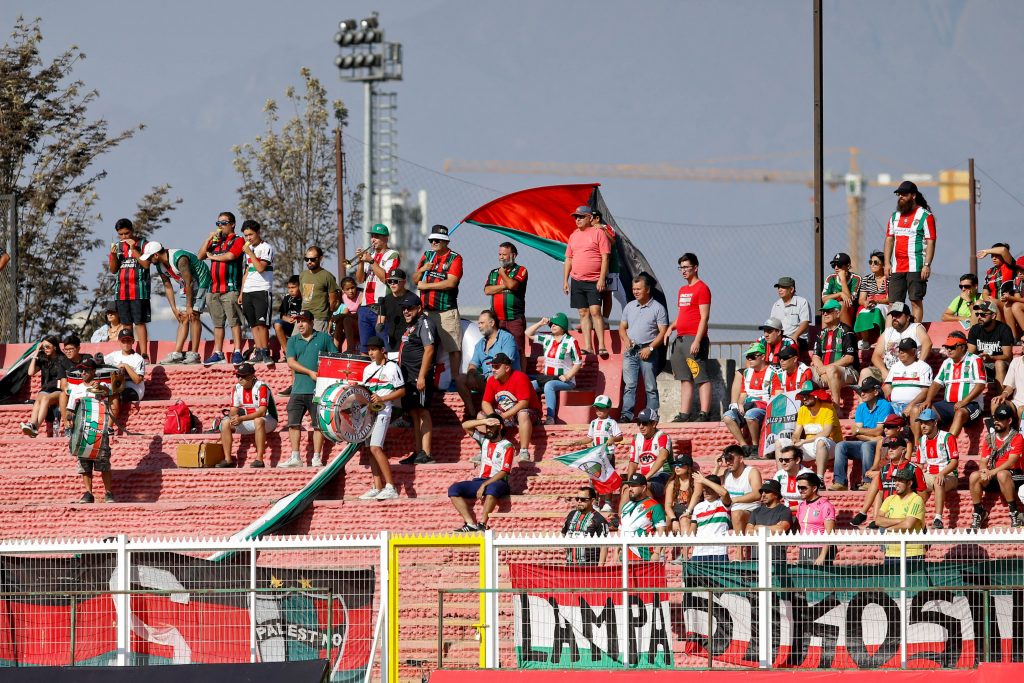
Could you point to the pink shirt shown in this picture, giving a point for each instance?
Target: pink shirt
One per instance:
(812, 517)
(585, 248)
(351, 305)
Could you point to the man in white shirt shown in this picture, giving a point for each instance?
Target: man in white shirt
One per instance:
(886, 348)
(908, 379)
(255, 297)
(792, 310)
(382, 378)
(128, 383)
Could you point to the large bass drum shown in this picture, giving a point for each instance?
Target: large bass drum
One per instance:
(343, 413)
(88, 428)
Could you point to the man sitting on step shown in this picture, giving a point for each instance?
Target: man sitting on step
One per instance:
(252, 412)
(492, 482)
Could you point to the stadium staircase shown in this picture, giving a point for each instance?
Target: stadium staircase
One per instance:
(155, 498)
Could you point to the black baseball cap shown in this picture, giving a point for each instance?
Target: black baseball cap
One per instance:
(840, 259)
(682, 461)
(126, 333)
(907, 344)
(869, 384)
(771, 486)
(788, 352)
(906, 187)
(245, 370)
(637, 480)
(410, 300)
(304, 315)
(501, 359)
(376, 342)
(1003, 412)
(87, 363)
(397, 274)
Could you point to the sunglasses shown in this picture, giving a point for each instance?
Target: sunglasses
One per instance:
(963, 286)
(581, 500)
(876, 263)
(408, 308)
(646, 424)
(803, 488)
(222, 223)
(784, 461)
(437, 241)
(312, 258)
(392, 281)
(949, 348)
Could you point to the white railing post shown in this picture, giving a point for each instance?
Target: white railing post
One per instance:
(625, 597)
(385, 605)
(122, 600)
(253, 649)
(491, 610)
(903, 602)
(764, 578)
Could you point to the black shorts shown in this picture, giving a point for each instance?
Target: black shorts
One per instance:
(129, 395)
(687, 367)
(256, 308)
(583, 294)
(902, 285)
(299, 405)
(414, 398)
(993, 484)
(133, 311)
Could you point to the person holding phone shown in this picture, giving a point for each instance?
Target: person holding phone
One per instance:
(131, 281)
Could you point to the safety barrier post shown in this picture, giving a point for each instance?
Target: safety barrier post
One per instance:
(253, 648)
(903, 603)
(74, 616)
(385, 606)
(986, 627)
(491, 610)
(764, 579)
(122, 600)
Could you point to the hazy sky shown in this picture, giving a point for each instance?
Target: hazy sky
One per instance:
(917, 85)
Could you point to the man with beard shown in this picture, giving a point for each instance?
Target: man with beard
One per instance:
(886, 351)
(909, 248)
(584, 521)
(897, 453)
(320, 293)
(908, 379)
(506, 285)
(641, 516)
(999, 468)
(991, 340)
(510, 395)
(494, 341)
(491, 483)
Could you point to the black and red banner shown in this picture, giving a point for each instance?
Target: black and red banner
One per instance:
(298, 612)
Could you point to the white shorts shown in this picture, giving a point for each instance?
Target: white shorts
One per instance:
(811, 449)
(249, 426)
(380, 428)
(749, 507)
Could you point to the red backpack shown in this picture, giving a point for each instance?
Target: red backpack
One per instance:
(178, 419)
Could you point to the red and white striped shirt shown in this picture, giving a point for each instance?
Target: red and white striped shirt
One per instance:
(495, 456)
(374, 289)
(959, 379)
(932, 455)
(910, 231)
(783, 381)
(646, 452)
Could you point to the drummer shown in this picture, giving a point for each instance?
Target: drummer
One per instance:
(382, 378)
(89, 389)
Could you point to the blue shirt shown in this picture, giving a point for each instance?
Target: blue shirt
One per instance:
(869, 419)
(505, 343)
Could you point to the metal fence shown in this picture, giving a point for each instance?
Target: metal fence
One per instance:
(392, 606)
(9, 275)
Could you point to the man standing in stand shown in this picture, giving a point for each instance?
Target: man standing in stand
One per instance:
(224, 249)
(506, 285)
(909, 248)
(132, 283)
(374, 267)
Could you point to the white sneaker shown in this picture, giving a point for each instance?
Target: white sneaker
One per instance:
(524, 455)
(388, 493)
(370, 495)
(317, 460)
(294, 461)
(173, 357)
(192, 358)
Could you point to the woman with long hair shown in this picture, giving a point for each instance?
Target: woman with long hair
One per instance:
(51, 362)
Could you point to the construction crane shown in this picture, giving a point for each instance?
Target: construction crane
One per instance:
(953, 185)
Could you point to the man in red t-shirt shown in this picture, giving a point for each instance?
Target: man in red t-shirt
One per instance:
(509, 394)
(584, 273)
(999, 467)
(690, 349)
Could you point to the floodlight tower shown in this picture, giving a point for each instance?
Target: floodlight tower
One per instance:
(364, 57)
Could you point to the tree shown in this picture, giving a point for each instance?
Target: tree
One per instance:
(48, 151)
(288, 177)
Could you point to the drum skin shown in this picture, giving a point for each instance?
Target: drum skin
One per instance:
(88, 428)
(343, 413)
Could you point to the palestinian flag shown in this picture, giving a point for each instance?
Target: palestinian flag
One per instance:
(595, 463)
(540, 218)
(779, 422)
(289, 508)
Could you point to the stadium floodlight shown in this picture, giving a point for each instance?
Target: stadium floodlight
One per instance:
(347, 25)
(369, 22)
(364, 56)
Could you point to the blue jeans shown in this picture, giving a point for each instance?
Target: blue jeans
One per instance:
(632, 366)
(368, 327)
(551, 389)
(848, 450)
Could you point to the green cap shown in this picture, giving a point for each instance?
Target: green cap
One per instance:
(756, 347)
(560, 319)
(831, 305)
(808, 387)
(380, 229)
